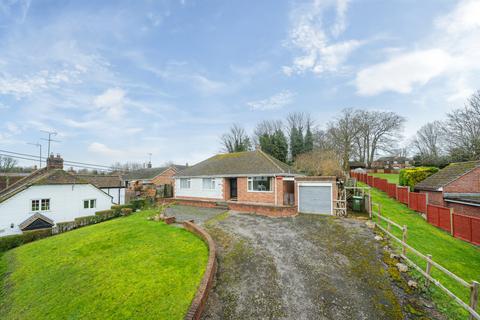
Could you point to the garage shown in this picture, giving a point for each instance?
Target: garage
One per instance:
(315, 198)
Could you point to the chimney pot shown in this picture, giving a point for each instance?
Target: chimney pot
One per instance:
(54, 162)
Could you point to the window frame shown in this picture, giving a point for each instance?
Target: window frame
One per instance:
(39, 206)
(251, 179)
(47, 204)
(88, 202)
(188, 182)
(212, 184)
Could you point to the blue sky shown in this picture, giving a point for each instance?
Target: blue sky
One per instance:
(122, 79)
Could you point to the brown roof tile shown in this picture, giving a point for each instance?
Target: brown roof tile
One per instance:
(448, 174)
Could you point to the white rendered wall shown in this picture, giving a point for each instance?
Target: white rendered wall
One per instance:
(196, 189)
(66, 203)
(118, 194)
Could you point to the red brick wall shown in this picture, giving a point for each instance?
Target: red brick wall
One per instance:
(434, 197)
(464, 209)
(468, 183)
(260, 197)
(165, 177)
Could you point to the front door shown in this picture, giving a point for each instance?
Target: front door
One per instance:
(233, 188)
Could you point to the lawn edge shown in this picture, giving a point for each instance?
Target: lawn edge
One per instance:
(200, 300)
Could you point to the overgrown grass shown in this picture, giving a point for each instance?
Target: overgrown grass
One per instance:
(456, 255)
(391, 177)
(120, 269)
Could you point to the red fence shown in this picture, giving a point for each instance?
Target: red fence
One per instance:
(464, 227)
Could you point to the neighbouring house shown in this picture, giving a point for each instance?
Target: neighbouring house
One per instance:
(110, 184)
(46, 197)
(456, 186)
(8, 178)
(151, 176)
(253, 181)
(391, 162)
(357, 165)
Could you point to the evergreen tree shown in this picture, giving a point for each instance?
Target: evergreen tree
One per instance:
(280, 146)
(296, 142)
(308, 144)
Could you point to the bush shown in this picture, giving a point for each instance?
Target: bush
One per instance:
(10, 242)
(105, 214)
(410, 177)
(64, 226)
(127, 211)
(85, 221)
(137, 204)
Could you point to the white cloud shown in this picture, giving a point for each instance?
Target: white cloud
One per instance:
(452, 51)
(321, 51)
(402, 72)
(276, 101)
(103, 150)
(112, 101)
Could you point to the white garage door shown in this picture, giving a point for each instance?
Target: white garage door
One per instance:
(315, 198)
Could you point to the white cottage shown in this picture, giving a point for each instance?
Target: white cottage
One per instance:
(46, 197)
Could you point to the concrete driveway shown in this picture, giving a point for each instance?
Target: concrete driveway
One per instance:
(306, 267)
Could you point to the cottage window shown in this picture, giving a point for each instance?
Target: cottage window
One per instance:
(208, 183)
(90, 203)
(260, 184)
(45, 204)
(35, 205)
(185, 183)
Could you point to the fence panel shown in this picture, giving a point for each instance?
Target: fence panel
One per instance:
(370, 181)
(402, 194)
(418, 202)
(392, 190)
(439, 217)
(462, 227)
(432, 215)
(383, 185)
(476, 230)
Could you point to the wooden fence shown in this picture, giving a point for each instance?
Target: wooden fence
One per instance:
(460, 226)
(473, 287)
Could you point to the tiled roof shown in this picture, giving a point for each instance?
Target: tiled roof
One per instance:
(43, 176)
(102, 181)
(238, 164)
(448, 174)
(149, 173)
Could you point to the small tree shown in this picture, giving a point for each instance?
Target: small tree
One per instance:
(308, 141)
(236, 140)
(319, 163)
(7, 164)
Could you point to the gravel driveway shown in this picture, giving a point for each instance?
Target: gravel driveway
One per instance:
(199, 215)
(306, 267)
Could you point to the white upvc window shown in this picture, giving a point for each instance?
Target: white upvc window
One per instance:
(89, 204)
(40, 205)
(208, 183)
(259, 184)
(185, 183)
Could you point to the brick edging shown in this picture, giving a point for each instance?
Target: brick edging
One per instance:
(199, 301)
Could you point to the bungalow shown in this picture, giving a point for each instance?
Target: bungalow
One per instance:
(253, 181)
(391, 162)
(48, 196)
(456, 186)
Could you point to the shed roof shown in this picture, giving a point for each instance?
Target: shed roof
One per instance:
(238, 164)
(43, 176)
(102, 181)
(448, 174)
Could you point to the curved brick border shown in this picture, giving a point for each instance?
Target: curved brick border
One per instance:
(200, 299)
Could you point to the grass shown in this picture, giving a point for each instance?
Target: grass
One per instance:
(458, 256)
(391, 177)
(120, 269)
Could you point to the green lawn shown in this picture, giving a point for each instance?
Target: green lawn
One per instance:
(391, 177)
(124, 268)
(456, 255)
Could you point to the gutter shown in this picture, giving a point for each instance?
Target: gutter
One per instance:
(463, 202)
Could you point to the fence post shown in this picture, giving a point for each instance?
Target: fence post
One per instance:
(404, 240)
(474, 296)
(379, 213)
(451, 221)
(428, 269)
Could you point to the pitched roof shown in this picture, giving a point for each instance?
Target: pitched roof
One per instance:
(43, 176)
(238, 164)
(392, 158)
(149, 173)
(102, 181)
(448, 174)
(32, 219)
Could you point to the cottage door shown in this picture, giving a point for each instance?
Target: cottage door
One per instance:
(233, 188)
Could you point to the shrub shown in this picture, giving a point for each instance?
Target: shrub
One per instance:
(137, 204)
(410, 177)
(64, 226)
(10, 242)
(127, 211)
(105, 214)
(85, 221)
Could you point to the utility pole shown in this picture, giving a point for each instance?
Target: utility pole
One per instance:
(50, 134)
(38, 145)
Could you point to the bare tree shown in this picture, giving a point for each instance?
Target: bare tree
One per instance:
(429, 140)
(128, 166)
(266, 127)
(463, 130)
(319, 163)
(236, 140)
(7, 164)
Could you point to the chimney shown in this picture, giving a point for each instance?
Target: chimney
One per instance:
(54, 162)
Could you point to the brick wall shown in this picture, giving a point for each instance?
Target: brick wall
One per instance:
(165, 177)
(468, 183)
(464, 209)
(246, 196)
(434, 197)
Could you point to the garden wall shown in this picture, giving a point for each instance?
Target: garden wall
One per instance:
(458, 225)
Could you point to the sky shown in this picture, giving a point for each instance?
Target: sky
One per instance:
(121, 79)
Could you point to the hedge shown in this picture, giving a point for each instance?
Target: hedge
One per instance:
(10, 242)
(105, 214)
(137, 204)
(410, 177)
(126, 211)
(85, 221)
